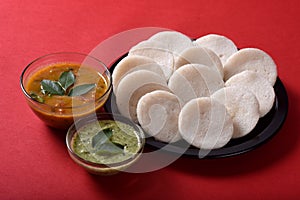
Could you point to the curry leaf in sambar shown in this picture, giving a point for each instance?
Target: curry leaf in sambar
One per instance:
(52, 87)
(81, 89)
(66, 79)
(37, 97)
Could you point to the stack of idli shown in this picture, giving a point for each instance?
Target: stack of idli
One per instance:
(204, 91)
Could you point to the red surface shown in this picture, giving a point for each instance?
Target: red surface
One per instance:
(34, 163)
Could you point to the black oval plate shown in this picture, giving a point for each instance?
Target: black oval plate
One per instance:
(265, 129)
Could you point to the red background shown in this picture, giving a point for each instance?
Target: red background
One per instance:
(34, 163)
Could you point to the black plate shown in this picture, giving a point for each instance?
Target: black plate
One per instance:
(265, 129)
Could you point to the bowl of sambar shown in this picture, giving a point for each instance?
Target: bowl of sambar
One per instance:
(62, 87)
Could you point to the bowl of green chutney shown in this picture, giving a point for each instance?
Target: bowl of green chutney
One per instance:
(105, 143)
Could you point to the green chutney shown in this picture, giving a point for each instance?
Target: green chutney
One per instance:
(124, 136)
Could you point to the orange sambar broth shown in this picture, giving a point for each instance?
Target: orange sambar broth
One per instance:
(58, 111)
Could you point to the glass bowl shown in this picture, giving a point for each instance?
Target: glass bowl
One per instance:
(62, 110)
(92, 155)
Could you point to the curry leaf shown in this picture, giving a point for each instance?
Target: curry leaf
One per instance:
(103, 144)
(121, 146)
(37, 97)
(109, 148)
(66, 79)
(81, 89)
(52, 87)
(101, 137)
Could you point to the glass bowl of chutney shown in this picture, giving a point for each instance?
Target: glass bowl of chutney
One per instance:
(105, 143)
